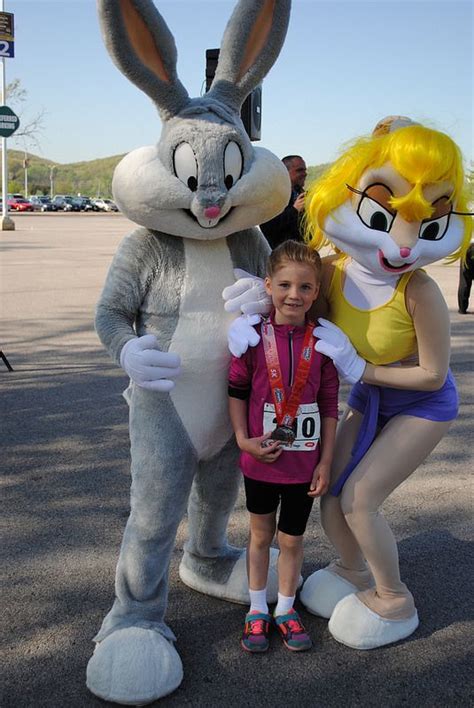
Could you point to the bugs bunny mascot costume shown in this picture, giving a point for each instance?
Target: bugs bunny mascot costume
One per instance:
(195, 196)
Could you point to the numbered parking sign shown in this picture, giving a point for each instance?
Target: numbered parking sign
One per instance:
(7, 39)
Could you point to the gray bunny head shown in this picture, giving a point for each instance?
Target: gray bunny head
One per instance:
(204, 179)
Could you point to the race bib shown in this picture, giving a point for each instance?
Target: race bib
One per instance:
(307, 426)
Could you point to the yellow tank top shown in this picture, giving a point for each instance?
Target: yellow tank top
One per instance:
(383, 335)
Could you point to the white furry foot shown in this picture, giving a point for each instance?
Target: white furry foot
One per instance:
(236, 589)
(322, 591)
(352, 623)
(134, 666)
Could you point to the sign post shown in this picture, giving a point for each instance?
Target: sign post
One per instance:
(8, 118)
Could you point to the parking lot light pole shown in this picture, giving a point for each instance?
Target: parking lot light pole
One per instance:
(51, 180)
(7, 223)
(26, 163)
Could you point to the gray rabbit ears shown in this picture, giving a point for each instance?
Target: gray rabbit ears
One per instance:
(143, 48)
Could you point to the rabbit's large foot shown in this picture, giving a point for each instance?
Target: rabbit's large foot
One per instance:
(134, 666)
(323, 589)
(236, 587)
(352, 623)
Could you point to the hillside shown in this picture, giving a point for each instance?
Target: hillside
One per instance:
(93, 178)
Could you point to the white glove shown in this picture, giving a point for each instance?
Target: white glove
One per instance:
(147, 366)
(337, 346)
(247, 295)
(242, 335)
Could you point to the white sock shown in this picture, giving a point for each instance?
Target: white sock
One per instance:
(284, 604)
(258, 601)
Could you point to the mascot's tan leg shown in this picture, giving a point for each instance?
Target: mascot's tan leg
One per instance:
(386, 613)
(349, 573)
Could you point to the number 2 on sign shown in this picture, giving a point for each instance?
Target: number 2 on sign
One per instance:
(5, 49)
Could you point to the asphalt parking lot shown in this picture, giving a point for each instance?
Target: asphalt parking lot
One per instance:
(65, 500)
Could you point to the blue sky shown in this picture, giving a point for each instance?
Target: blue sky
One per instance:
(345, 64)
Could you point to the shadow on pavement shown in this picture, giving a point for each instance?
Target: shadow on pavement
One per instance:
(66, 482)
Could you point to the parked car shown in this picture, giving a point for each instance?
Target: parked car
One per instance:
(35, 203)
(75, 206)
(105, 204)
(62, 202)
(84, 204)
(19, 204)
(42, 204)
(110, 205)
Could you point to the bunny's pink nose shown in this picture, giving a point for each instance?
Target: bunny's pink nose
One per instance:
(405, 252)
(212, 212)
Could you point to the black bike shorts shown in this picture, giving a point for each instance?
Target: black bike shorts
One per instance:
(295, 504)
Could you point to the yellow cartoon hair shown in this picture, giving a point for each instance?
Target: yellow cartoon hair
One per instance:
(419, 154)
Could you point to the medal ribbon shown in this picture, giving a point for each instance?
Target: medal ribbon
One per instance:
(286, 411)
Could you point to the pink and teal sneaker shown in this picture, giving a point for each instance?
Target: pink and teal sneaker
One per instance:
(292, 631)
(256, 631)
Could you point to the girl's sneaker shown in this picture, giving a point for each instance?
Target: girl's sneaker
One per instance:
(292, 631)
(256, 631)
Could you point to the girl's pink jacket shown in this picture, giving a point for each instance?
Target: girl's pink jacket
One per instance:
(248, 380)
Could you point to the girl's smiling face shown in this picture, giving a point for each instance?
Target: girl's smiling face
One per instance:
(293, 289)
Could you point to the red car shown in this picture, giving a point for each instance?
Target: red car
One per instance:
(20, 204)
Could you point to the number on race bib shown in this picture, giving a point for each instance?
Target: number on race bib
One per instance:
(307, 426)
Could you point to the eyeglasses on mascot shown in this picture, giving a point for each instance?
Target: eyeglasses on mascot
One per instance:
(196, 197)
(391, 204)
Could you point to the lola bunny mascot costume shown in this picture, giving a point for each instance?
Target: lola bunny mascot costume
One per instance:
(391, 204)
(196, 197)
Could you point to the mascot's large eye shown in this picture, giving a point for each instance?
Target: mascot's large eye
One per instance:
(232, 164)
(185, 165)
(373, 215)
(434, 229)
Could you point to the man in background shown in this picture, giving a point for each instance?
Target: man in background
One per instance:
(466, 274)
(288, 224)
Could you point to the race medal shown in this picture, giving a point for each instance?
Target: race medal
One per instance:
(284, 434)
(286, 411)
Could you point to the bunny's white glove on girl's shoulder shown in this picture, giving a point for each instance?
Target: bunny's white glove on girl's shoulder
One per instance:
(242, 335)
(337, 346)
(247, 294)
(147, 366)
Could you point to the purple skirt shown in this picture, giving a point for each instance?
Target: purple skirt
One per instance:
(378, 405)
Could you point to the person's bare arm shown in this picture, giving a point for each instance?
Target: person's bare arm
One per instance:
(431, 319)
(322, 472)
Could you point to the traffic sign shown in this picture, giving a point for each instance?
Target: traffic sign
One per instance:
(9, 122)
(7, 35)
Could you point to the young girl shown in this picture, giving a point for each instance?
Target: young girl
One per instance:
(283, 407)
